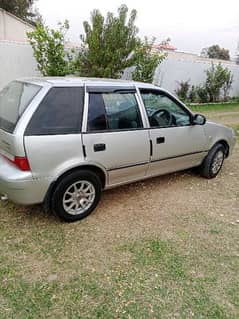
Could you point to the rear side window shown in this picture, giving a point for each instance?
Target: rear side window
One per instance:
(96, 113)
(113, 111)
(60, 112)
(14, 99)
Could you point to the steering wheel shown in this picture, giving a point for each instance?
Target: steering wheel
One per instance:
(164, 117)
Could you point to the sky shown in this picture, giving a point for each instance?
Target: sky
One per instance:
(191, 25)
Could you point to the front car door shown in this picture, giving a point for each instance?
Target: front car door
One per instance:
(114, 136)
(176, 143)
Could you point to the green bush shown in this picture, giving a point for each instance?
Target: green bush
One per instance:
(218, 79)
(183, 90)
(235, 99)
(192, 96)
(146, 61)
(49, 50)
(216, 87)
(201, 94)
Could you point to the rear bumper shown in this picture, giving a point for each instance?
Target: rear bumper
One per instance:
(19, 186)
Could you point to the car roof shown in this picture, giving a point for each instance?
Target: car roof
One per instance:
(80, 81)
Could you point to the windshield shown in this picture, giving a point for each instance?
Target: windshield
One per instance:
(14, 99)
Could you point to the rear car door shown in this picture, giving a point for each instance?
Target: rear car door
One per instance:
(176, 143)
(114, 136)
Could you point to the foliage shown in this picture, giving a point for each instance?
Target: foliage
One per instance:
(146, 61)
(218, 83)
(188, 93)
(217, 78)
(215, 52)
(227, 84)
(234, 99)
(22, 9)
(108, 44)
(183, 90)
(165, 41)
(49, 50)
(201, 95)
(192, 95)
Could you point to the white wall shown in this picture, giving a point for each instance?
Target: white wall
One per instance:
(179, 66)
(16, 55)
(182, 67)
(13, 28)
(16, 60)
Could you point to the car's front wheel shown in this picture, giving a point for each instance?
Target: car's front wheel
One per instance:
(213, 162)
(76, 195)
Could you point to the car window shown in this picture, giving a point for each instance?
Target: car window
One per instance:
(113, 111)
(60, 112)
(163, 111)
(96, 113)
(14, 99)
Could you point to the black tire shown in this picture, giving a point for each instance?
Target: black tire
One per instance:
(64, 184)
(206, 169)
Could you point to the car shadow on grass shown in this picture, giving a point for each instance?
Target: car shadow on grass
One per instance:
(37, 213)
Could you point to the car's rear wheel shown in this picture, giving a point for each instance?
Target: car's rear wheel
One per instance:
(76, 195)
(213, 162)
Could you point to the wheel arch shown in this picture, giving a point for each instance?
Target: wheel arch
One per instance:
(225, 145)
(90, 167)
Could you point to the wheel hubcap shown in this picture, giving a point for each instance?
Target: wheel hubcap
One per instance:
(217, 162)
(78, 197)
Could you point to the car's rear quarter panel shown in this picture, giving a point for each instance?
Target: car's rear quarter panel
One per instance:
(52, 155)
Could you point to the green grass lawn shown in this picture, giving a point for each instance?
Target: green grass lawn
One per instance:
(224, 112)
(164, 248)
(155, 279)
(222, 107)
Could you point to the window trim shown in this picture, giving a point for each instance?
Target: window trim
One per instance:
(116, 130)
(117, 90)
(171, 97)
(110, 89)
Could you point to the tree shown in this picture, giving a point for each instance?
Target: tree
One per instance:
(146, 61)
(49, 50)
(217, 78)
(165, 41)
(227, 84)
(108, 44)
(215, 52)
(183, 90)
(22, 9)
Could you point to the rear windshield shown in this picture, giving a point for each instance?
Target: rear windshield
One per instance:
(14, 99)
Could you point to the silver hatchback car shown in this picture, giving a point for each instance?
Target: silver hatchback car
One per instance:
(64, 140)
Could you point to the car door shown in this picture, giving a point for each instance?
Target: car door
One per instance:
(115, 137)
(176, 143)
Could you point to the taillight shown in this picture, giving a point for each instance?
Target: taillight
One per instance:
(21, 162)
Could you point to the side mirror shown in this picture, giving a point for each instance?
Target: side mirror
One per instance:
(199, 119)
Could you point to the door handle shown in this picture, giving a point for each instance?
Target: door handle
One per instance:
(160, 140)
(99, 147)
(151, 147)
